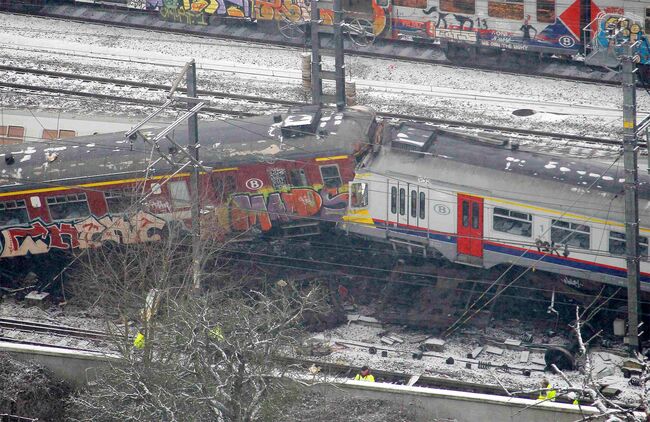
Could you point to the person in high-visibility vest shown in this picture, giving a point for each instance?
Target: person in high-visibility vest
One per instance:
(364, 375)
(216, 333)
(548, 393)
(574, 398)
(138, 343)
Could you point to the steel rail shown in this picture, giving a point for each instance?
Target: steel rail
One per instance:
(43, 328)
(271, 101)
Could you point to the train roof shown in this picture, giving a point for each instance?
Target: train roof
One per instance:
(489, 167)
(224, 143)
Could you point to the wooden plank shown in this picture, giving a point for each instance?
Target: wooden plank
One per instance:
(475, 352)
(494, 350)
(523, 356)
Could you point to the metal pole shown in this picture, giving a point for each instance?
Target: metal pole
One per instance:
(316, 82)
(339, 56)
(631, 198)
(193, 149)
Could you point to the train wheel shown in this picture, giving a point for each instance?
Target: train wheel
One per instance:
(361, 32)
(290, 28)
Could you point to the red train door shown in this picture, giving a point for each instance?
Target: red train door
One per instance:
(470, 226)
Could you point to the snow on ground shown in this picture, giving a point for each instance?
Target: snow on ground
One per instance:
(451, 93)
(606, 363)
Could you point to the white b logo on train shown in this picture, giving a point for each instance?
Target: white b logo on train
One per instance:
(254, 184)
(441, 209)
(566, 41)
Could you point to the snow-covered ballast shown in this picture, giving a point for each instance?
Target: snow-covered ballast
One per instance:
(484, 201)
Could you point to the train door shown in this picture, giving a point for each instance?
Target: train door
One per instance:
(470, 226)
(397, 203)
(417, 206)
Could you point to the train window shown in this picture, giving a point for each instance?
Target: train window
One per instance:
(118, 200)
(298, 177)
(418, 4)
(617, 244)
(414, 204)
(68, 207)
(475, 215)
(402, 201)
(331, 176)
(465, 214)
(512, 222)
(506, 9)
(571, 234)
(180, 194)
(458, 6)
(393, 200)
(423, 205)
(278, 178)
(359, 195)
(546, 11)
(13, 213)
(11, 135)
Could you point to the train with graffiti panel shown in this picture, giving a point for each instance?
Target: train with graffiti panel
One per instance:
(485, 202)
(525, 30)
(284, 174)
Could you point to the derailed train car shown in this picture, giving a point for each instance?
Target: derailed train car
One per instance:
(482, 202)
(281, 173)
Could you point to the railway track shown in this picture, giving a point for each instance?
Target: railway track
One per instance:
(394, 50)
(50, 329)
(492, 130)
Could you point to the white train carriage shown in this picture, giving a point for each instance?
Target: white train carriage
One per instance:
(488, 203)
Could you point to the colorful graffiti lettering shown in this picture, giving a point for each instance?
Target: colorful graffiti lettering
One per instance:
(38, 237)
(249, 210)
(197, 12)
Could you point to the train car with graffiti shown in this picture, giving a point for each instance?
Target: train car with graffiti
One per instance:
(285, 174)
(480, 202)
(466, 29)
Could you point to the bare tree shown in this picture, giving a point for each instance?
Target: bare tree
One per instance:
(211, 356)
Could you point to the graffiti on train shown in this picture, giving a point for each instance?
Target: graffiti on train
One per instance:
(39, 237)
(263, 211)
(199, 12)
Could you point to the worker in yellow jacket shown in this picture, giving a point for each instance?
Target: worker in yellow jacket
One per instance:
(364, 375)
(548, 393)
(138, 342)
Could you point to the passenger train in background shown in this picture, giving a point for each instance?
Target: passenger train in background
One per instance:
(466, 29)
(476, 201)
